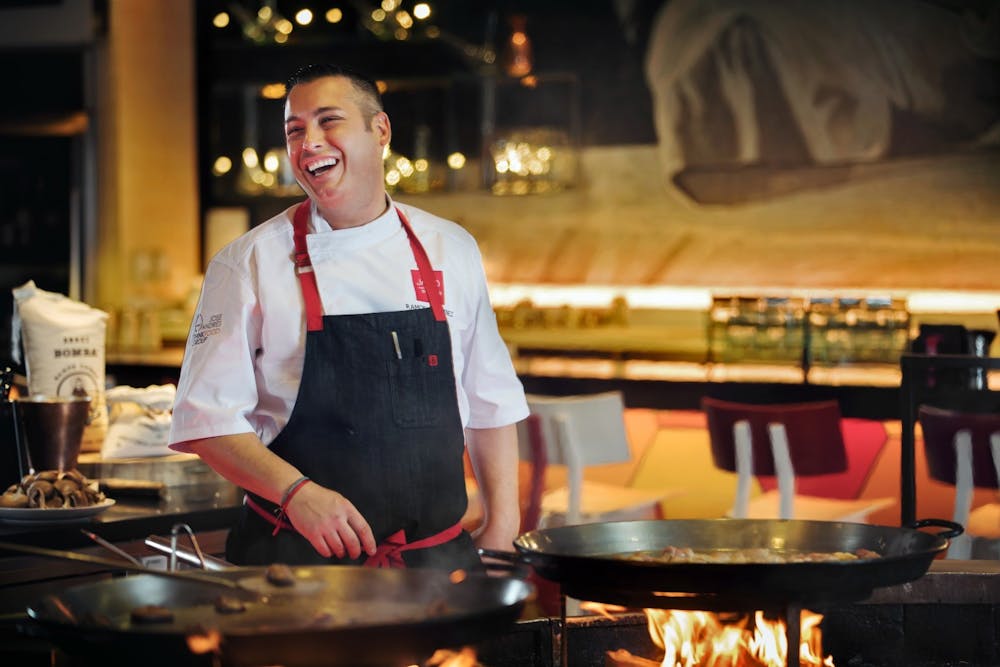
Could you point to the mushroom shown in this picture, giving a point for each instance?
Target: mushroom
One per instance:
(66, 486)
(39, 492)
(228, 604)
(279, 574)
(15, 498)
(76, 498)
(74, 475)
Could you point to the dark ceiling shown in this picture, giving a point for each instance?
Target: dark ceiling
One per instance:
(590, 44)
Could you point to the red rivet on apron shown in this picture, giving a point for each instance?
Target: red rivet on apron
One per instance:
(432, 360)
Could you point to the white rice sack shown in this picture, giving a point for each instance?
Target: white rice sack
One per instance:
(139, 421)
(64, 351)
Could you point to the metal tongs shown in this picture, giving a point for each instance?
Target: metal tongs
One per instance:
(194, 556)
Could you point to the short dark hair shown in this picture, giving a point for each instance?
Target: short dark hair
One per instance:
(365, 86)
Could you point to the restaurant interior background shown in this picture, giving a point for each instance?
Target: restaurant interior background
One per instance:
(735, 190)
(831, 151)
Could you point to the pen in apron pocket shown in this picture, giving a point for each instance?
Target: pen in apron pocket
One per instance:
(395, 344)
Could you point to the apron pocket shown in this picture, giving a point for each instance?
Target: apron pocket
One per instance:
(422, 394)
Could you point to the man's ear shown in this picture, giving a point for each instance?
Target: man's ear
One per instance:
(382, 127)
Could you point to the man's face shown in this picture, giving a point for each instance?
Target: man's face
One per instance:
(336, 155)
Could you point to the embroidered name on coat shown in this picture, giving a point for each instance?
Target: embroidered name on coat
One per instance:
(202, 328)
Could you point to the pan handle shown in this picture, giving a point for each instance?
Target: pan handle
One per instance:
(953, 529)
(512, 562)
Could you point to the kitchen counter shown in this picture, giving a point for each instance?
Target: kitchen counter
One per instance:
(204, 507)
(209, 509)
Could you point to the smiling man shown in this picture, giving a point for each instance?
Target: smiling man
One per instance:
(355, 356)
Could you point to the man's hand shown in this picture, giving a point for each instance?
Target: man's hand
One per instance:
(497, 539)
(330, 522)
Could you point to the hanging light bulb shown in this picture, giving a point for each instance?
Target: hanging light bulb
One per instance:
(518, 59)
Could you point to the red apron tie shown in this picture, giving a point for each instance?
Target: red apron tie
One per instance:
(390, 552)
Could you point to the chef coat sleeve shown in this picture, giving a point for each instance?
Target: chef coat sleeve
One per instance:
(217, 391)
(495, 394)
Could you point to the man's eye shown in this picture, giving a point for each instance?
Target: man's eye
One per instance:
(330, 119)
(293, 131)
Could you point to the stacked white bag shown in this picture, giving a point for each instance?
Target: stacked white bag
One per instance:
(64, 351)
(140, 421)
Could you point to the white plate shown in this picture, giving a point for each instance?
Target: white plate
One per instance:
(27, 515)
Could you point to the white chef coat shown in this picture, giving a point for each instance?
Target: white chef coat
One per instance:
(246, 345)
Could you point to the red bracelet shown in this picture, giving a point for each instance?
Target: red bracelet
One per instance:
(286, 498)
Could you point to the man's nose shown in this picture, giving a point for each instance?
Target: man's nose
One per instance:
(314, 137)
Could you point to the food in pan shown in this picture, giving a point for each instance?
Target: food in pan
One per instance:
(227, 604)
(152, 613)
(438, 608)
(279, 574)
(52, 489)
(673, 554)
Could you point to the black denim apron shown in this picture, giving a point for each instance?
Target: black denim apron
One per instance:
(376, 419)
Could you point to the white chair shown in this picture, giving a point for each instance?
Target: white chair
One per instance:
(582, 431)
(783, 440)
(963, 449)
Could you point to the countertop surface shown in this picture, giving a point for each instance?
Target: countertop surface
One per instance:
(204, 507)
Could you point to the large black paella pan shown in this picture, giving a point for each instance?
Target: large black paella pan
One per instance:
(332, 615)
(595, 561)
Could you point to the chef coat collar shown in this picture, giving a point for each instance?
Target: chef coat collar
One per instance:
(319, 225)
(329, 242)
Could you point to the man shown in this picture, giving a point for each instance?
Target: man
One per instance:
(342, 355)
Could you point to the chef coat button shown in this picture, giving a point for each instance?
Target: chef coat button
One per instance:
(350, 431)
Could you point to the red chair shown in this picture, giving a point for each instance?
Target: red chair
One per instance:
(963, 449)
(787, 440)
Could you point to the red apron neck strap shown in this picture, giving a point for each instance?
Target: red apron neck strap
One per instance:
(434, 295)
(307, 279)
(304, 270)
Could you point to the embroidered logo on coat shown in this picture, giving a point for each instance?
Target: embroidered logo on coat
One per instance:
(421, 290)
(201, 328)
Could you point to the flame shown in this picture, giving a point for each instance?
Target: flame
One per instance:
(466, 657)
(205, 640)
(703, 639)
(601, 608)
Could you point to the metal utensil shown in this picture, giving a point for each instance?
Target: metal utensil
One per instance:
(189, 556)
(116, 564)
(111, 547)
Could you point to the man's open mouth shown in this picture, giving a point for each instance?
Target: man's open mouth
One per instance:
(322, 166)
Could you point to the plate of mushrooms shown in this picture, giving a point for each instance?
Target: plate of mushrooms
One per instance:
(52, 495)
